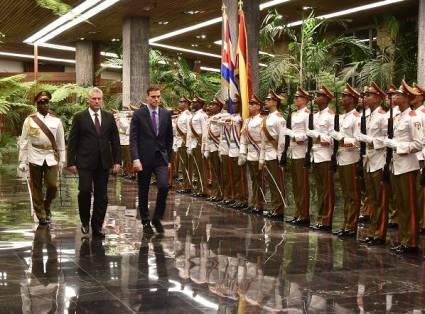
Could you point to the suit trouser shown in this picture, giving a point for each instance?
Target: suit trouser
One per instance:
(38, 174)
(408, 222)
(323, 179)
(300, 188)
(186, 166)
(276, 183)
(96, 182)
(216, 178)
(143, 179)
(351, 193)
(377, 194)
(200, 168)
(227, 177)
(239, 181)
(257, 186)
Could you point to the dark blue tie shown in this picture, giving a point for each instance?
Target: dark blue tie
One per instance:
(154, 124)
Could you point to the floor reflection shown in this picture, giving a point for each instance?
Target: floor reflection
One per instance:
(210, 260)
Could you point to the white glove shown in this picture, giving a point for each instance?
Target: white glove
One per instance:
(312, 133)
(260, 164)
(337, 135)
(23, 167)
(189, 152)
(290, 133)
(206, 154)
(364, 138)
(390, 143)
(60, 167)
(241, 160)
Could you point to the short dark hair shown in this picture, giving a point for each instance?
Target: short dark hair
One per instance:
(42, 93)
(153, 88)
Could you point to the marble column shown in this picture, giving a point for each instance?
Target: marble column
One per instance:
(421, 43)
(135, 60)
(84, 63)
(253, 23)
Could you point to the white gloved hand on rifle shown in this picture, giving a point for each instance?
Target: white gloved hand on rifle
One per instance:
(312, 133)
(241, 160)
(206, 154)
(337, 136)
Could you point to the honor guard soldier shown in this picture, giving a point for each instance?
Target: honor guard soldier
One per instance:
(250, 154)
(373, 163)
(321, 157)
(173, 170)
(122, 119)
(417, 105)
(296, 152)
(347, 158)
(272, 145)
(182, 127)
(223, 152)
(42, 152)
(211, 142)
(239, 186)
(197, 125)
(407, 141)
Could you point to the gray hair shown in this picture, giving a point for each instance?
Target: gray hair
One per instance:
(95, 90)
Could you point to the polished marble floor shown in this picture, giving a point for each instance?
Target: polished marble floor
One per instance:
(210, 260)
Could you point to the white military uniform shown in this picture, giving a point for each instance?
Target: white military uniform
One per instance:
(235, 132)
(408, 140)
(35, 146)
(376, 133)
(182, 125)
(349, 147)
(322, 148)
(276, 125)
(198, 122)
(299, 126)
(211, 136)
(224, 133)
(251, 138)
(420, 112)
(123, 119)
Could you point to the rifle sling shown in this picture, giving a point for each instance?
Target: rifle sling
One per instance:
(48, 133)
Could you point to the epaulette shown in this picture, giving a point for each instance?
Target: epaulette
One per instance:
(423, 110)
(412, 113)
(52, 114)
(279, 114)
(356, 114)
(331, 111)
(33, 114)
(306, 110)
(382, 111)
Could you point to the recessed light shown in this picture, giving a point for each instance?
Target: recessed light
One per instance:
(82, 38)
(194, 45)
(115, 39)
(305, 8)
(203, 36)
(162, 22)
(193, 12)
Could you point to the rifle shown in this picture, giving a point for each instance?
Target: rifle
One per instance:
(284, 158)
(390, 133)
(336, 128)
(362, 144)
(310, 140)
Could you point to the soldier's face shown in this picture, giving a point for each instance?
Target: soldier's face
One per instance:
(347, 101)
(95, 101)
(254, 109)
(43, 105)
(183, 104)
(300, 102)
(270, 102)
(417, 101)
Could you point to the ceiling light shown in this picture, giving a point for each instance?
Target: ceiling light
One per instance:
(77, 20)
(62, 20)
(57, 47)
(162, 22)
(115, 39)
(367, 39)
(82, 38)
(196, 52)
(194, 45)
(349, 11)
(273, 3)
(210, 69)
(193, 12)
(203, 36)
(27, 56)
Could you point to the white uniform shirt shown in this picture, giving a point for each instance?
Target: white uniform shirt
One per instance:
(198, 121)
(420, 111)
(182, 125)
(251, 138)
(122, 120)
(377, 130)
(211, 136)
(235, 132)
(408, 134)
(349, 147)
(33, 135)
(275, 124)
(224, 133)
(299, 125)
(323, 122)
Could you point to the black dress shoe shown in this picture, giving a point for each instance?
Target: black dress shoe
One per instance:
(158, 226)
(338, 232)
(42, 222)
(348, 234)
(395, 247)
(392, 225)
(363, 219)
(147, 228)
(407, 250)
(422, 232)
(301, 222)
(181, 191)
(85, 229)
(217, 199)
(291, 220)
(320, 227)
(275, 216)
(257, 211)
(366, 240)
(98, 234)
(376, 242)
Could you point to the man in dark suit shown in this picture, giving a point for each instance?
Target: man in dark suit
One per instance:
(93, 149)
(151, 141)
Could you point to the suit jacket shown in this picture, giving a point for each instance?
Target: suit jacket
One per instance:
(145, 144)
(86, 147)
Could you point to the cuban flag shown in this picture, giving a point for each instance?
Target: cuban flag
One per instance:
(227, 63)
